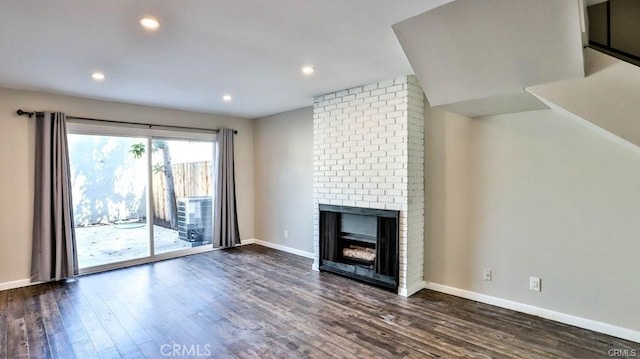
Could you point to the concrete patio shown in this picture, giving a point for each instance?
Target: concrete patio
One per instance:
(104, 244)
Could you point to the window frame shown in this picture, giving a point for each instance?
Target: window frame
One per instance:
(150, 132)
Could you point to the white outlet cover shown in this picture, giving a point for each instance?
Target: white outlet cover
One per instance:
(487, 275)
(535, 284)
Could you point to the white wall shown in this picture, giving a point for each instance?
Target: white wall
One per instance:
(534, 194)
(283, 155)
(502, 47)
(609, 96)
(17, 152)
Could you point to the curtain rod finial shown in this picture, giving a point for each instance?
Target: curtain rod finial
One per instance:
(20, 112)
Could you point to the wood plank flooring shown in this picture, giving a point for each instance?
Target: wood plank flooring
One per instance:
(255, 302)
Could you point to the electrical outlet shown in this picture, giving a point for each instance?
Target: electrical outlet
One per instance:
(286, 234)
(535, 284)
(487, 275)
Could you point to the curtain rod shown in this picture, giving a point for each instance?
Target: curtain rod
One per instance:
(27, 113)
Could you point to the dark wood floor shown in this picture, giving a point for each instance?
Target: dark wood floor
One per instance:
(254, 302)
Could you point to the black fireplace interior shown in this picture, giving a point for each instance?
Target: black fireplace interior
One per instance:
(360, 243)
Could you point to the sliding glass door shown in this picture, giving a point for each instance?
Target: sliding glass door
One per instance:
(109, 199)
(182, 194)
(119, 182)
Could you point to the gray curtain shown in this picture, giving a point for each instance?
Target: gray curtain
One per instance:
(54, 252)
(225, 224)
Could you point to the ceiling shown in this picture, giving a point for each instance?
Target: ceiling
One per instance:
(251, 49)
(516, 44)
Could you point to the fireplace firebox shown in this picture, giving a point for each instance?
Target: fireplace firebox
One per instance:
(360, 243)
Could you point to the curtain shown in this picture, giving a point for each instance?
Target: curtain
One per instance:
(54, 254)
(225, 225)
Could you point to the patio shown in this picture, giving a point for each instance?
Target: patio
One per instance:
(104, 244)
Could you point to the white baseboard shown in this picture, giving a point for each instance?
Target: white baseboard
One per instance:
(16, 284)
(280, 247)
(596, 326)
(247, 241)
(413, 289)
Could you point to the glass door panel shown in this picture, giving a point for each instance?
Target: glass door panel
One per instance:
(182, 181)
(109, 185)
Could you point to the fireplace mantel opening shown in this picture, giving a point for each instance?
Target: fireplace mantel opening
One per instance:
(360, 243)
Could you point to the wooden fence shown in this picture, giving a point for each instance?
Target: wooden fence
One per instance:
(190, 180)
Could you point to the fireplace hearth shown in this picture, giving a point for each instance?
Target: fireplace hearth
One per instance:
(360, 243)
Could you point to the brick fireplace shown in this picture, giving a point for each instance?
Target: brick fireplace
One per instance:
(360, 243)
(369, 153)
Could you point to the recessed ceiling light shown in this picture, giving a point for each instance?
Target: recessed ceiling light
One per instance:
(308, 70)
(226, 98)
(149, 23)
(98, 76)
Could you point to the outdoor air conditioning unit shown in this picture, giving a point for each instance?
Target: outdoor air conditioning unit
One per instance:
(195, 219)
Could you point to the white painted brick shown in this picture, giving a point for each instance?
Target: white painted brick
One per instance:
(356, 102)
(371, 198)
(387, 97)
(395, 126)
(395, 113)
(370, 173)
(379, 117)
(388, 110)
(395, 88)
(400, 185)
(386, 199)
(370, 112)
(402, 93)
(342, 105)
(363, 204)
(396, 100)
(370, 87)
(329, 96)
(386, 83)
(402, 107)
(363, 95)
(384, 146)
(368, 149)
(342, 93)
(378, 91)
(396, 165)
(335, 101)
(360, 111)
(371, 99)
